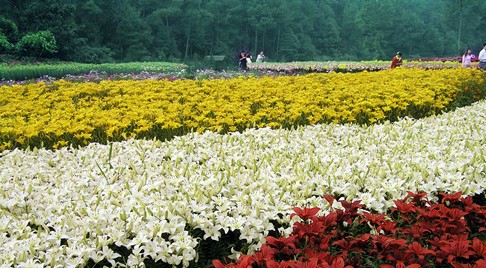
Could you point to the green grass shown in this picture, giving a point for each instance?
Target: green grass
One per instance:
(32, 71)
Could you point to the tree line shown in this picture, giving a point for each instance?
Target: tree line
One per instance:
(96, 31)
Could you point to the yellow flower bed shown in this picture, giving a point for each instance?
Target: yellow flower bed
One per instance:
(67, 113)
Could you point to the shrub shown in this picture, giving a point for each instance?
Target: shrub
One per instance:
(41, 44)
(88, 54)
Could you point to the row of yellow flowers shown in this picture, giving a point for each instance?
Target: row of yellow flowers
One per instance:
(66, 113)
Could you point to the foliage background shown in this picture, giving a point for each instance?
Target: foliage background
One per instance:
(98, 31)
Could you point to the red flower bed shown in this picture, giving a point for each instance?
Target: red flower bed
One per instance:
(416, 233)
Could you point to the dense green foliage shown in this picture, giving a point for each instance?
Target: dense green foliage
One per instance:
(150, 30)
(40, 44)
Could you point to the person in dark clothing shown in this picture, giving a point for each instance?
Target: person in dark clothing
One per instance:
(243, 60)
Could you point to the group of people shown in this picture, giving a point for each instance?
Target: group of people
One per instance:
(245, 58)
(467, 59)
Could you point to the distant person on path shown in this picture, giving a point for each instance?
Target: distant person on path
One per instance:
(248, 57)
(397, 60)
(260, 57)
(243, 60)
(467, 58)
(482, 58)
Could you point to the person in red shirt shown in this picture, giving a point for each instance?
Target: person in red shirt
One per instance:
(397, 60)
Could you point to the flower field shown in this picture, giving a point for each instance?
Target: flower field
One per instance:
(349, 67)
(175, 173)
(65, 113)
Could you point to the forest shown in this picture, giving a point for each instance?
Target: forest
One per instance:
(100, 31)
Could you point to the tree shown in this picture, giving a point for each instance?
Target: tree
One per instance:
(134, 30)
(261, 20)
(91, 46)
(463, 18)
(132, 36)
(8, 34)
(55, 16)
(376, 19)
(289, 46)
(5, 45)
(326, 36)
(161, 19)
(225, 23)
(9, 29)
(350, 30)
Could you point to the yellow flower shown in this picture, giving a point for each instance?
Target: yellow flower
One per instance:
(83, 136)
(134, 107)
(20, 140)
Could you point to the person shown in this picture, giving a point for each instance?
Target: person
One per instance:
(397, 60)
(248, 57)
(260, 57)
(467, 58)
(243, 60)
(482, 58)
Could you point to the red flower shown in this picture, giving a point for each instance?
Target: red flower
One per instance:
(441, 256)
(417, 231)
(337, 263)
(384, 245)
(415, 265)
(329, 220)
(388, 226)
(433, 212)
(372, 218)
(324, 243)
(305, 214)
(480, 264)
(283, 245)
(468, 201)
(461, 265)
(329, 199)
(312, 229)
(245, 261)
(311, 264)
(282, 264)
(479, 248)
(418, 198)
(457, 249)
(351, 207)
(347, 246)
(455, 214)
(218, 264)
(451, 198)
(313, 254)
(419, 251)
(404, 207)
(400, 257)
(364, 238)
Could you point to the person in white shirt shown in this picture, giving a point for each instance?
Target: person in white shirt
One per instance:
(260, 57)
(482, 58)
